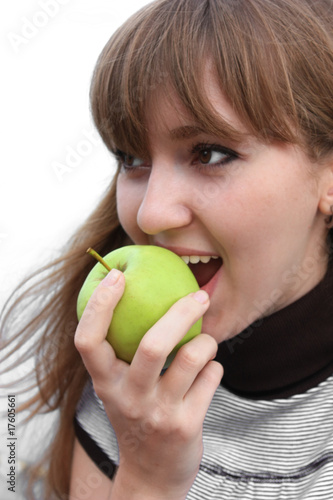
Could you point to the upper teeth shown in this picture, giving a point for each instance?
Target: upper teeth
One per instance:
(194, 259)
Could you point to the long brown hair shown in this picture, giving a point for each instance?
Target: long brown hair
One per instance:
(58, 371)
(274, 62)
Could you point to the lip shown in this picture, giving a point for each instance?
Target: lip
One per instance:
(211, 285)
(181, 251)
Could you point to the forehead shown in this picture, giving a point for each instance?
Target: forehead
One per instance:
(166, 113)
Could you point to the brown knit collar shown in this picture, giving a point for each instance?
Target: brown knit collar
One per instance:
(286, 353)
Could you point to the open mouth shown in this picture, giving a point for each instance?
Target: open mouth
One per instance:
(204, 267)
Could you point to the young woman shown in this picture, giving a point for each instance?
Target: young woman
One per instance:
(220, 114)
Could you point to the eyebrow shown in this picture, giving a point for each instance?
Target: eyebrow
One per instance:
(186, 132)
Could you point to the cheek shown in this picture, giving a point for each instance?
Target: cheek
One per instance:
(252, 218)
(242, 213)
(128, 204)
(265, 227)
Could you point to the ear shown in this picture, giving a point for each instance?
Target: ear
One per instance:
(325, 204)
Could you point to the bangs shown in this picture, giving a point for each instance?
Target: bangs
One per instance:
(168, 44)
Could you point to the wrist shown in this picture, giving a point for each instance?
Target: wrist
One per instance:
(127, 486)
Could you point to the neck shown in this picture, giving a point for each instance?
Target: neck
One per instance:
(286, 353)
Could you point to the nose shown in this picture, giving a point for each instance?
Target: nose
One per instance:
(166, 202)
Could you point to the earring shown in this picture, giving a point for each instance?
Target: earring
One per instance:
(329, 220)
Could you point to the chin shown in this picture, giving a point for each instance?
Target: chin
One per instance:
(210, 327)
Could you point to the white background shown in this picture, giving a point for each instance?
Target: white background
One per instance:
(48, 51)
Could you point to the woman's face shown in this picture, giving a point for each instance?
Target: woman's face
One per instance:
(255, 206)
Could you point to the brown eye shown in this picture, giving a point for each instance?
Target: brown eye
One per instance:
(205, 156)
(129, 160)
(211, 156)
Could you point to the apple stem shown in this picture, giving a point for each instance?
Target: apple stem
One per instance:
(94, 254)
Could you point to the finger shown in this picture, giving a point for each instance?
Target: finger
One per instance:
(204, 387)
(90, 337)
(160, 340)
(188, 363)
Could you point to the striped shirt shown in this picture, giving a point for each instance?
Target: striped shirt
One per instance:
(268, 433)
(253, 449)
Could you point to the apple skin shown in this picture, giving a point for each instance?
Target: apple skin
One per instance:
(155, 279)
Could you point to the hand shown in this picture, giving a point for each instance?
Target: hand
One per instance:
(157, 419)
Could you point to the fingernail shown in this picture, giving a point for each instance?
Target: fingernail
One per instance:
(201, 296)
(112, 277)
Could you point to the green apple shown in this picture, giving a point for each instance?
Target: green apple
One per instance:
(155, 278)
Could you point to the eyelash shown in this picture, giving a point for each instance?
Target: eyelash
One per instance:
(230, 155)
(121, 156)
(196, 149)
